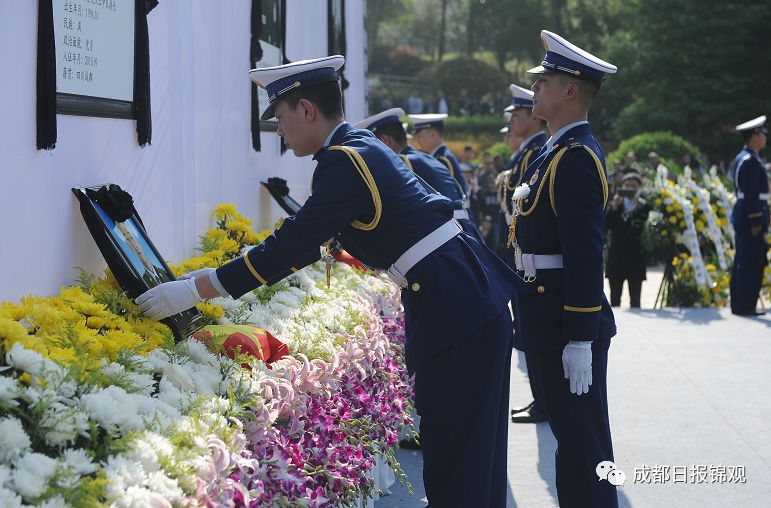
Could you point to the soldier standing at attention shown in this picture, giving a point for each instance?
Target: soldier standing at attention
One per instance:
(563, 320)
(387, 126)
(750, 219)
(365, 196)
(429, 133)
(530, 129)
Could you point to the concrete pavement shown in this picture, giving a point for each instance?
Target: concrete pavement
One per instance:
(690, 406)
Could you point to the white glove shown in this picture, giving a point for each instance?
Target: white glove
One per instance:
(168, 299)
(577, 363)
(197, 273)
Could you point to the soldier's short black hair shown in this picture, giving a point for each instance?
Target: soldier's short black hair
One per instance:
(328, 97)
(747, 135)
(395, 130)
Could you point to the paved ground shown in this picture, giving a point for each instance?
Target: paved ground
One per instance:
(688, 390)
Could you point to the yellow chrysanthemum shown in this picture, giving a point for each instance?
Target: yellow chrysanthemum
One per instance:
(10, 310)
(238, 226)
(11, 332)
(224, 210)
(210, 311)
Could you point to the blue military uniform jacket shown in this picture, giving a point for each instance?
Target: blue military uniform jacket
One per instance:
(750, 181)
(443, 154)
(364, 194)
(435, 174)
(564, 215)
(515, 168)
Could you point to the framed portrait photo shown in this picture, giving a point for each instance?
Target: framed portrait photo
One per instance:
(119, 233)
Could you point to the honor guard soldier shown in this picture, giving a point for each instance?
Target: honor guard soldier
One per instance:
(388, 128)
(529, 128)
(750, 219)
(562, 319)
(429, 133)
(364, 195)
(512, 144)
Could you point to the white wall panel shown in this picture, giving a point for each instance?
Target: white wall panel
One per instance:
(201, 150)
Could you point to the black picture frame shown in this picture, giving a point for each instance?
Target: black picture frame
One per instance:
(135, 262)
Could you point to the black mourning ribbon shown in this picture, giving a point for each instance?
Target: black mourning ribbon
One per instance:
(46, 75)
(142, 72)
(116, 202)
(255, 55)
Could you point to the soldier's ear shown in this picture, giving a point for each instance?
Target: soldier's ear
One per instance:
(308, 109)
(571, 90)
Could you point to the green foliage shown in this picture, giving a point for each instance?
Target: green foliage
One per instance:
(399, 60)
(668, 146)
(692, 72)
(480, 131)
(500, 148)
(475, 77)
(682, 293)
(476, 123)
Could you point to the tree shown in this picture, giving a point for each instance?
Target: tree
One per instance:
(694, 74)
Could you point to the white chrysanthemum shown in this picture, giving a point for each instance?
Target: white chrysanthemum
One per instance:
(54, 502)
(5, 475)
(62, 424)
(142, 382)
(198, 352)
(112, 370)
(112, 407)
(79, 461)
(29, 484)
(24, 359)
(139, 497)
(38, 463)
(13, 440)
(122, 474)
(173, 396)
(207, 380)
(218, 405)
(167, 487)
(9, 390)
(142, 452)
(179, 375)
(9, 499)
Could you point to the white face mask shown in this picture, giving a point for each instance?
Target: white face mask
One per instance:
(629, 204)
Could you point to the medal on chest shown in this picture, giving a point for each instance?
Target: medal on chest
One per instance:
(534, 178)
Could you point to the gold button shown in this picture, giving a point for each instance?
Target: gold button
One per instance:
(541, 289)
(415, 286)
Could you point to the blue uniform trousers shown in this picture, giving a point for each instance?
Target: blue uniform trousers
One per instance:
(462, 397)
(581, 426)
(747, 272)
(507, 255)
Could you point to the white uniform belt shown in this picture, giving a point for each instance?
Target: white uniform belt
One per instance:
(764, 196)
(425, 246)
(529, 263)
(460, 214)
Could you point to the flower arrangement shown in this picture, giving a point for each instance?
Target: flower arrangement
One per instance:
(685, 227)
(684, 292)
(100, 407)
(722, 203)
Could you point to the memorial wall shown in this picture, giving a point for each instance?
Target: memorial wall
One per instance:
(201, 152)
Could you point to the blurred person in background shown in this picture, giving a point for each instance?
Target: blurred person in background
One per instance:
(624, 223)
